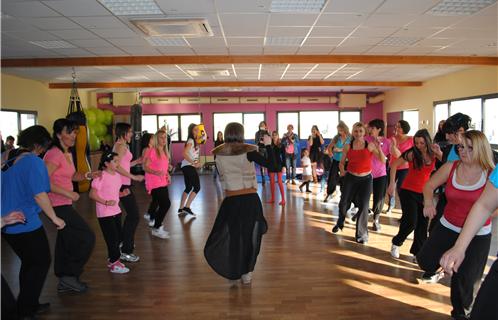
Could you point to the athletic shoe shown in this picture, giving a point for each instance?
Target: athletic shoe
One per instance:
(336, 229)
(118, 267)
(414, 259)
(309, 191)
(247, 278)
(181, 212)
(160, 233)
(376, 226)
(72, 283)
(326, 198)
(362, 241)
(129, 257)
(432, 278)
(147, 216)
(301, 188)
(287, 182)
(395, 251)
(293, 182)
(188, 211)
(282, 203)
(152, 222)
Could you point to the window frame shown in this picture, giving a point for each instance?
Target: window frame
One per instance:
(483, 98)
(19, 112)
(177, 115)
(241, 112)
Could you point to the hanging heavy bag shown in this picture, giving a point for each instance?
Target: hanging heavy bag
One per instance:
(81, 149)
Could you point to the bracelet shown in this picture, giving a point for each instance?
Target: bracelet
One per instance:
(88, 175)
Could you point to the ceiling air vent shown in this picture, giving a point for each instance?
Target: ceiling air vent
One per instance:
(174, 27)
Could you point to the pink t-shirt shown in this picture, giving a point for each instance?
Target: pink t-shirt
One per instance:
(107, 187)
(403, 146)
(125, 164)
(62, 175)
(379, 168)
(153, 181)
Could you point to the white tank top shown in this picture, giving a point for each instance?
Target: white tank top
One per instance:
(193, 153)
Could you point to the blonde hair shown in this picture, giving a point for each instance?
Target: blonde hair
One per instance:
(482, 153)
(359, 125)
(156, 143)
(342, 125)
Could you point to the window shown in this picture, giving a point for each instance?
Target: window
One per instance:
(440, 113)
(176, 123)
(412, 118)
(325, 120)
(350, 117)
(250, 121)
(490, 120)
(12, 122)
(286, 118)
(470, 107)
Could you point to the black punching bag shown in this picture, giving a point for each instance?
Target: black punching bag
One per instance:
(136, 127)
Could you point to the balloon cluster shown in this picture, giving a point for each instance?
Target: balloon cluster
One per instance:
(98, 122)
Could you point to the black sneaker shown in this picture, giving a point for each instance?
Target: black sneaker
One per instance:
(181, 212)
(309, 191)
(336, 229)
(188, 211)
(71, 284)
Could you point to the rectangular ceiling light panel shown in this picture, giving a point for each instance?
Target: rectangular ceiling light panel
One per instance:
(53, 44)
(459, 7)
(301, 6)
(131, 7)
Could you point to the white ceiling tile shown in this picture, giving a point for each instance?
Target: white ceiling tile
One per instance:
(53, 23)
(91, 43)
(492, 10)
(281, 50)
(206, 42)
(173, 51)
(389, 20)
(78, 8)
(134, 41)
(32, 35)
(13, 24)
(74, 52)
(478, 22)
(74, 34)
(429, 21)
(352, 6)
(99, 22)
(210, 50)
(287, 31)
(374, 32)
(186, 6)
(331, 31)
(329, 42)
(115, 33)
(245, 41)
(351, 49)
(243, 50)
(27, 9)
(418, 50)
(385, 50)
(416, 32)
(315, 49)
(407, 6)
(469, 33)
(340, 19)
(437, 42)
(250, 25)
(107, 51)
(140, 50)
(293, 19)
(243, 6)
(353, 41)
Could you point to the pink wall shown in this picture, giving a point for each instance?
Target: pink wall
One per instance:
(372, 111)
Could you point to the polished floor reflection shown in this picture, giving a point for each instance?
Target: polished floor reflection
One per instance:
(303, 271)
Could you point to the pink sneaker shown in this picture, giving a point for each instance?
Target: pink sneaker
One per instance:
(118, 267)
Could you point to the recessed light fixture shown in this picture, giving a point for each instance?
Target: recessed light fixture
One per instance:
(166, 42)
(131, 7)
(135, 78)
(297, 6)
(459, 7)
(53, 44)
(399, 41)
(283, 41)
(209, 73)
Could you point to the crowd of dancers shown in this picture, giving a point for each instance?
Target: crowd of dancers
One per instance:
(447, 189)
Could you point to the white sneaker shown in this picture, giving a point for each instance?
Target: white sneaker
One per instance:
(147, 216)
(432, 278)
(151, 223)
(247, 278)
(118, 267)
(160, 233)
(395, 251)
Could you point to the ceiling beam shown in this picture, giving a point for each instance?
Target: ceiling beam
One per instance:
(256, 59)
(192, 84)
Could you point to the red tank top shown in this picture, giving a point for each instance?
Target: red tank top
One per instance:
(359, 161)
(416, 178)
(460, 201)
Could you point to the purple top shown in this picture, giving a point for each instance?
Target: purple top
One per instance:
(379, 168)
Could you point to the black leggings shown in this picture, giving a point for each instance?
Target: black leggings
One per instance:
(191, 179)
(485, 306)
(129, 203)
(33, 250)
(160, 195)
(470, 271)
(358, 190)
(111, 230)
(333, 179)
(379, 186)
(412, 218)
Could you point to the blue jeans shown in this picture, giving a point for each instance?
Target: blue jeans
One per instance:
(290, 161)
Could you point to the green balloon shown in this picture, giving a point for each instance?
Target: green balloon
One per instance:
(94, 142)
(108, 139)
(100, 130)
(100, 115)
(108, 115)
(91, 117)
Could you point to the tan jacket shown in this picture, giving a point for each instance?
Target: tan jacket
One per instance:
(236, 172)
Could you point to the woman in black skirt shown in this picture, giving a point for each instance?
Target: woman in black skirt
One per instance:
(315, 142)
(234, 243)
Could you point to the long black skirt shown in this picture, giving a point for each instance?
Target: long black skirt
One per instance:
(234, 243)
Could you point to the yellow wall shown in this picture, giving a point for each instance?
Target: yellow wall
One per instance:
(25, 94)
(474, 81)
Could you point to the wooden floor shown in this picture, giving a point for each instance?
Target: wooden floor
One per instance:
(303, 271)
